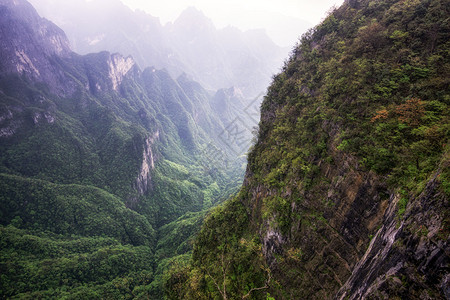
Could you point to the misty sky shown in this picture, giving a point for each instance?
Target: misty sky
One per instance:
(284, 20)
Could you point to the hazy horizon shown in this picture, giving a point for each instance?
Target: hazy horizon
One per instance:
(284, 20)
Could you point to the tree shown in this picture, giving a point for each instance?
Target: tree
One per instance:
(411, 112)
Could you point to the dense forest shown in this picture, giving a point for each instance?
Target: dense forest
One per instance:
(346, 190)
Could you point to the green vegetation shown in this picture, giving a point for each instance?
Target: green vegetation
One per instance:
(365, 92)
(70, 209)
(79, 220)
(230, 255)
(42, 264)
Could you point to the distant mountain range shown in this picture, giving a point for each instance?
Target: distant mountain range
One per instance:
(217, 58)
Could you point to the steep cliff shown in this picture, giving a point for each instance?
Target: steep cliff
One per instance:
(408, 257)
(32, 45)
(347, 187)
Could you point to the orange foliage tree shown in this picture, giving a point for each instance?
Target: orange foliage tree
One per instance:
(411, 112)
(381, 114)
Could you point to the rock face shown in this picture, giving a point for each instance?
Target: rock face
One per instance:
(143, 182)
(408, 257)
(22, 22)
(118, 68)
(115, 66)
(31, 45)
(8, 123)
(328, 221)
(332, 234)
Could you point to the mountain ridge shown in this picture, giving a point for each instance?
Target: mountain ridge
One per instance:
(198, 53)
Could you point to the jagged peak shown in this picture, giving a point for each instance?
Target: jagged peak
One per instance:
(49, 36)
(192, 12)
(193, 19)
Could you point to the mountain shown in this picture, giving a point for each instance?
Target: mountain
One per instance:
(346, 193)
(106, 170)
(216, 58)
(29, 49)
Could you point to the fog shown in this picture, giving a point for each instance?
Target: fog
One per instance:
(219, 44)
(284, 20)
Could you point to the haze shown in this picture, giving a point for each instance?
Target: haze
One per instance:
(284, 20)
(200, 43)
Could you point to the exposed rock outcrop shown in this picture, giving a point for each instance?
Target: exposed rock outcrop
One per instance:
(332, 234)
(409, 256)
(31, 46)
(118, 68)
(144, 180)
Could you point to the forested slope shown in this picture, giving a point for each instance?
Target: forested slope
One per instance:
(347, 188)
(99, 163)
